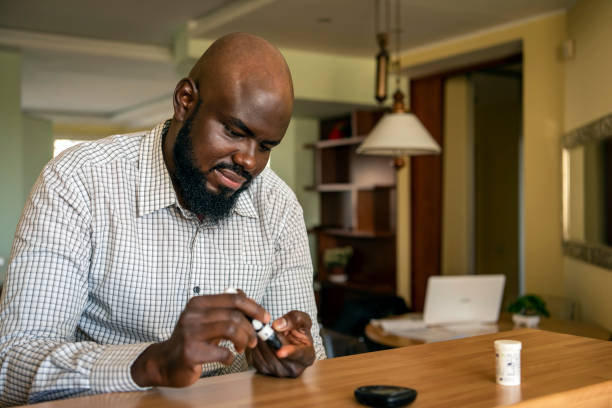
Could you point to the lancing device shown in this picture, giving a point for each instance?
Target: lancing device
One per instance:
(264, 331)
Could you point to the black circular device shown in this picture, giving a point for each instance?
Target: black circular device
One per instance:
(385, 395)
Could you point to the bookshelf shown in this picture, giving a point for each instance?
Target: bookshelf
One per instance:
(357, 209)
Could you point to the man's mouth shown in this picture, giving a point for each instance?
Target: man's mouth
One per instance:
(229, 178)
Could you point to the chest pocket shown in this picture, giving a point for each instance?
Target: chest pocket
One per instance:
(239, 255)
(250, 278)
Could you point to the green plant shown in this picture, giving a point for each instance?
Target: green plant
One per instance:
(529, 305)
(339, 256)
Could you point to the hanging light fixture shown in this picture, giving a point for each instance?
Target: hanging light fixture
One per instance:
(399, 133)
(382, 58)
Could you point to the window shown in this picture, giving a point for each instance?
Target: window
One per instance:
(59, 145)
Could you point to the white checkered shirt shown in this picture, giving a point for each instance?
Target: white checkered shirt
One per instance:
(104, 261)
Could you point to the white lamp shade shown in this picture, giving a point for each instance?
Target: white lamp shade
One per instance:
(399, 134)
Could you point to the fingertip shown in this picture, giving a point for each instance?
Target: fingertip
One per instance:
(229, 358)
(280, 324)
(285, 351)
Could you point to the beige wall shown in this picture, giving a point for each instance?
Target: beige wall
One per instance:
(497, 134)
(458, 180)
(89, 131)
(543, 76)
(295, 165)
(588, 96)
(316, 76)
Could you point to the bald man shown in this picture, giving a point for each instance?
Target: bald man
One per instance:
(122, 257)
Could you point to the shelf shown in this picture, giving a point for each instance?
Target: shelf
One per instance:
(345, 141)
(340, 232)
(341, 187)
(357, 199)
(375, 187)
(332, 187)
(362, 287)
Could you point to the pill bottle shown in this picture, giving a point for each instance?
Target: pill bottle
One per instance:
(508, 362)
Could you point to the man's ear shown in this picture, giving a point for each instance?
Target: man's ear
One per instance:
(185, 99)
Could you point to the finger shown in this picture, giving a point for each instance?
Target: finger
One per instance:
(259, 362)
(209, 332)
(299, 353)
(298, 337)
(294, 320)
(198, 323)
(276, 366)
(286, 351)
(195, 352)
(237, 301)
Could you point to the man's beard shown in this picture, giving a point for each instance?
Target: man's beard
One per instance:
(191, 181)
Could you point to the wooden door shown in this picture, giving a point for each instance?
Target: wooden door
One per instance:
(426, 102)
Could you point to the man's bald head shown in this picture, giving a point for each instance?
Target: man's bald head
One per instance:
(234, 107)
(241, 56)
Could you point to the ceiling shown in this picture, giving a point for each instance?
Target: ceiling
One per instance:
(79, 83)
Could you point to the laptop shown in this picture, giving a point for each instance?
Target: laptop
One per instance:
(463, 299)
(455, 307)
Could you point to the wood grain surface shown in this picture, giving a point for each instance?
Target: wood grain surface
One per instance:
(558, 370)
(378, 335)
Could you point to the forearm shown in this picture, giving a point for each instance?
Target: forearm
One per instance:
(34, 369)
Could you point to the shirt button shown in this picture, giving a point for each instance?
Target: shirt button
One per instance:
(196, 289)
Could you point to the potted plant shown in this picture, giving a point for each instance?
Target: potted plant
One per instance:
(335, 260)
(527, 309)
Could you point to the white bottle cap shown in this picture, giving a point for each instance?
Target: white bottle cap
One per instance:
(507, 345)
(257, 325)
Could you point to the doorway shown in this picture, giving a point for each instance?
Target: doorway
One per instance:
(497, 118)
(477, 229)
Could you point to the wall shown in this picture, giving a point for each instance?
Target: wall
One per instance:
(458, 179)
(316, 76)
(91, 131)
(588, 96)
(543, 96)
(295, 165)
(37, 148)
(11, 156)
(497, 133)
(27, 145)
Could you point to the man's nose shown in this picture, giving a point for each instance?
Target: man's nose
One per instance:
(245, 156)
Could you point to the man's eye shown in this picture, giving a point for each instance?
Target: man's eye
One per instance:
(265, 148)
(232, 132)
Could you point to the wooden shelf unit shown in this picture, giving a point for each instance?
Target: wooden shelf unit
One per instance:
(357, 196)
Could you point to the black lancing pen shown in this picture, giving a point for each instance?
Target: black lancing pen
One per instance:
(264, 331)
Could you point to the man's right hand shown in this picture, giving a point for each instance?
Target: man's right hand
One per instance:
(206, 320)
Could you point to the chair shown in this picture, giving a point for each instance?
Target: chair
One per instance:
(338, 344)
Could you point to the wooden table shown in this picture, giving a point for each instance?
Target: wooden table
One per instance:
(378, 335)
(558, 370)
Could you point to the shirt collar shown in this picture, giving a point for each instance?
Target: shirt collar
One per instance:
(244, 205)
(155, 189)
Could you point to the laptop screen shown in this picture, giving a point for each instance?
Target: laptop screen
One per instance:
(464, 298)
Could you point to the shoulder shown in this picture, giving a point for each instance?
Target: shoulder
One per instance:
(270, 194)
(97, 153)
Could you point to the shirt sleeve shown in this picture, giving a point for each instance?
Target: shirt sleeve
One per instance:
(44, 296)
(291, 287)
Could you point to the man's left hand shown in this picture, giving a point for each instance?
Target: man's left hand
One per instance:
(297, 352)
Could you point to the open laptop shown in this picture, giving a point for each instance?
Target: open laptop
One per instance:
(455, 306)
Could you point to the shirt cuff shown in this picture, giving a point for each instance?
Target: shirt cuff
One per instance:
(112, 370)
